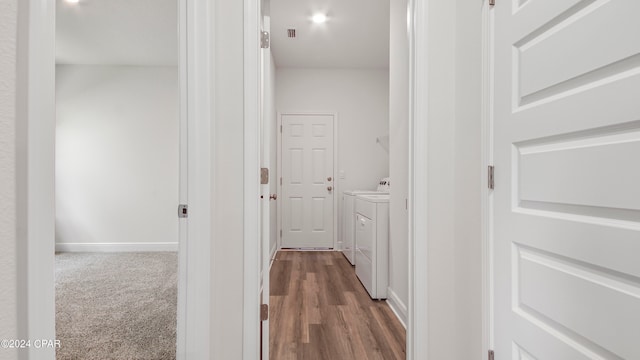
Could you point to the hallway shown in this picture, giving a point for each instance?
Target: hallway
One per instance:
(319, 310)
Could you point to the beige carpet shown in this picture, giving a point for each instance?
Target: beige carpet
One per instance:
(116, 305)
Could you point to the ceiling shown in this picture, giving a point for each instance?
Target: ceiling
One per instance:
(356, 34)
(117, 32)
(144, 32)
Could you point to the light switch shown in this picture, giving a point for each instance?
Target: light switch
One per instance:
(341, 174)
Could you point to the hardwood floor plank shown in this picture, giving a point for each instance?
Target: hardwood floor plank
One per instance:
(332, 289)
(280, 277)
(392, 328)
(312, 291)
(363, 329)
(320, 310)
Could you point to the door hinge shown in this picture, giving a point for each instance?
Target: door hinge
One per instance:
(491, 355)
(264, 312)
(281, 181)
(280, 129)
(280, 232)
(183, 211)
(264, 176)
(492, 2)
(490, 177)
(264, 39)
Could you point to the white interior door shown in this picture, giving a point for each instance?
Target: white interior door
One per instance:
(307, 181)
(567, 189)
(265, 160)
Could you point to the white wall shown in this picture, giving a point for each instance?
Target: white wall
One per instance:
(8, 236)
(116, 157)
(360, 97)
(399, 158)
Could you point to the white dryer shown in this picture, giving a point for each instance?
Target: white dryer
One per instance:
(346, 243)
(372, 243)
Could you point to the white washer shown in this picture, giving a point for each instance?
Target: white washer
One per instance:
(347, 242)
(372, 243)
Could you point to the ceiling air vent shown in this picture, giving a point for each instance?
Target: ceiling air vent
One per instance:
(291, 33)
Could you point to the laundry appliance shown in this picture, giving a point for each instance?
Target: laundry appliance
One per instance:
(347, 240)
(372, 243)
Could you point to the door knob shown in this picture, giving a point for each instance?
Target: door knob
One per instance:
(273, 196)
(329, 178)
(329, 188)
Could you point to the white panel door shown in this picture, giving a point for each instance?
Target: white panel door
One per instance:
(567, 190)
(307, 181)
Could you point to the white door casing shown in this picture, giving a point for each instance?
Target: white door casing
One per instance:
(567, 200)
(308, 186)
(252, 209)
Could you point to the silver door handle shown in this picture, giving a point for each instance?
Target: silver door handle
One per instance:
(329, 188)
(273, 196)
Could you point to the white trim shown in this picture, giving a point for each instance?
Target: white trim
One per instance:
(183, 195)
(397, 306)
(195, 253)
(117, 247)
(486, 211)
(336, 184)
(418, 320)
(35, 130)
(272, 253)
(279, 176)
(251, 202)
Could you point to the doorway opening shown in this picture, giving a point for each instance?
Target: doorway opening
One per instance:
(36, 172)
(117, 165)
(337, 67)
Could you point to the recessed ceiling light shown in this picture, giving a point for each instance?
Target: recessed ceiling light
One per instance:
(73, 1)
(319, 18)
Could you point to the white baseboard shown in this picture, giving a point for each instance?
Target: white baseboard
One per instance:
(117, 247)
(272, 257)
(274, 249)
(397, 306)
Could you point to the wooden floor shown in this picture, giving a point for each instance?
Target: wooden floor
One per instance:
(319, 310)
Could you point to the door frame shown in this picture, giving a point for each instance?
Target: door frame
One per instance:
(418, 325)
(486, 158)
(336, 184)
(251, 180)
(36, 168)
